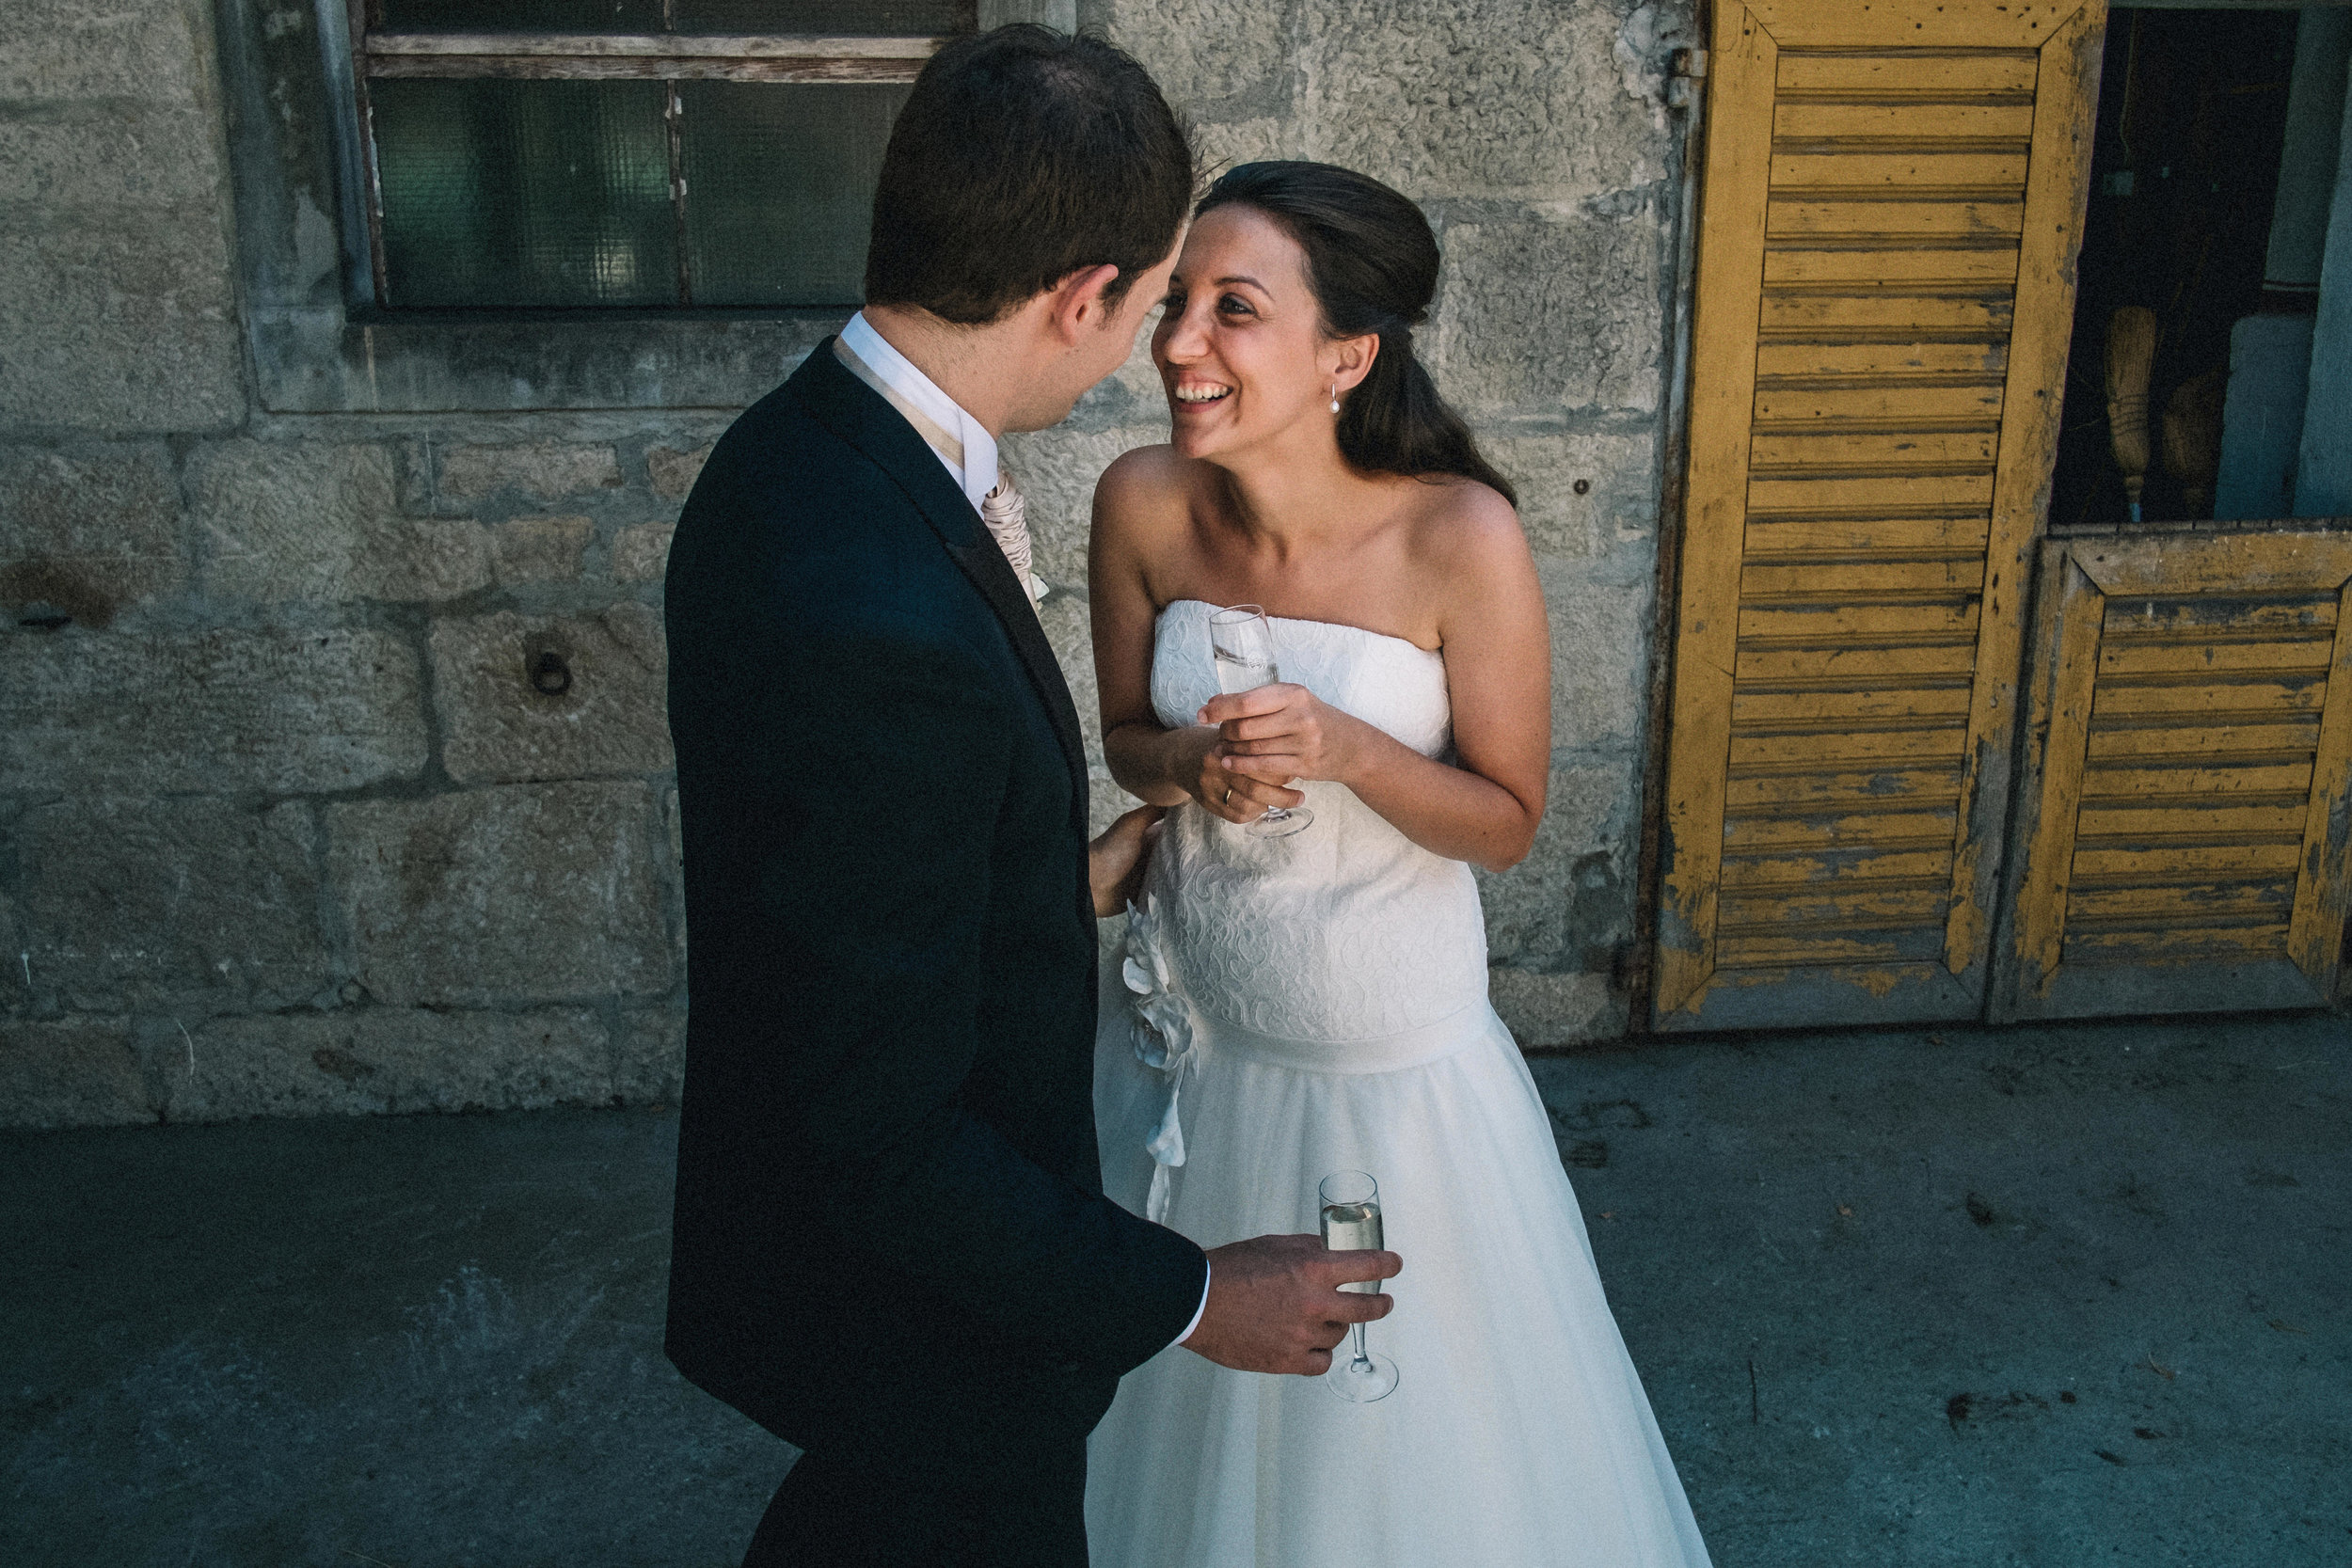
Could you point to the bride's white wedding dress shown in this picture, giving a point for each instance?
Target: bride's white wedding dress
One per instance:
(1290, 1007)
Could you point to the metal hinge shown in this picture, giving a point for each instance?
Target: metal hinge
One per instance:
(1685, 67)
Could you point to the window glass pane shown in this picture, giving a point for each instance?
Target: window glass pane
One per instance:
(521, 16)
(525, 193)
(780, 187)
(833, 18)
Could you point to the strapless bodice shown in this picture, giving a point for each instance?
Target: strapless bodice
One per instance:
(1348, 931)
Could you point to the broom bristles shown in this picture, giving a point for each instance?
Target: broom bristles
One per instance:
(2131, 354)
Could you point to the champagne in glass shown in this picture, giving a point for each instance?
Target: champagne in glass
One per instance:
(1351, 1223)
(1242, 644)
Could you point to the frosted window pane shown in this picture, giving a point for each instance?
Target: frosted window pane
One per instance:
(780, 187)
(506, 193)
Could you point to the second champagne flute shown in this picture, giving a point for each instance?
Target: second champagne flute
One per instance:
(1242, 644)
(1351, 1223)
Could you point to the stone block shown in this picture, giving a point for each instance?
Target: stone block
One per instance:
(551, 697)
(122, 378)
(90, 533)
(1506, 97)
(1600, 637)
(318, 522)
(139, 270)
(128, 155)
(120, 321)
(547, 469)
(1619, 503)
(191, 905)
(1540, 315)
(71, 1072)
(1214, 59)
(641, 554)
(1224, 144)
(539, 549)
(539, 892)
(1568, 907)
(386, 1060)
(649, 1057)
(674, 472)
(209, 713)
(1056, 470)
(59, 50)
(1542, 1010)
(16, 964)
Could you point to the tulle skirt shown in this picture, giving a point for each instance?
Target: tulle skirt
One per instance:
(1519, 1433)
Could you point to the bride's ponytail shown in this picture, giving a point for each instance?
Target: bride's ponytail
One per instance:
(1372, 263)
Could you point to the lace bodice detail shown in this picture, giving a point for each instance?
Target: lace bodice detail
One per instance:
(1347, 930)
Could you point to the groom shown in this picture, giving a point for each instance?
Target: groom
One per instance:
(891, 1244)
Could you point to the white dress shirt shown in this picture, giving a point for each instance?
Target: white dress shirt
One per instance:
(969, 456)
(972, 463)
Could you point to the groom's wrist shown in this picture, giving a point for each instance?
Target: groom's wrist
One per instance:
(1208, 1273)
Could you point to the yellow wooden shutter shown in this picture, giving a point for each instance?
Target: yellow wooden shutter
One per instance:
(2185, 808)
(1892, 206)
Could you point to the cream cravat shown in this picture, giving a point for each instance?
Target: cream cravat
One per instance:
(1002, 509)
(1007, 516)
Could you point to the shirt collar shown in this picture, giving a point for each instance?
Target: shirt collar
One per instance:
(978, 475)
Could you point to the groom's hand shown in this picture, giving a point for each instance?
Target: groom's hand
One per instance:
(1116, 861)
(1275, 1303)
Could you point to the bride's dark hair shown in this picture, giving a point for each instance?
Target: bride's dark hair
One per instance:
(1373, 264)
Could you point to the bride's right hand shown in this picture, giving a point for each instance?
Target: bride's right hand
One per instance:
(1200, 770)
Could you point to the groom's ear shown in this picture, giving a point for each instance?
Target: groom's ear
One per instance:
(1081, 303)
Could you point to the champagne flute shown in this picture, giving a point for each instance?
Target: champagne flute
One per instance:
(1242, 644)
(1351, 1222)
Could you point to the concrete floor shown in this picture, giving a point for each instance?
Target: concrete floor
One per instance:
(2050, 1296)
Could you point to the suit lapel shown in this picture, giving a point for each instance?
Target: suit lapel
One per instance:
(857, 414)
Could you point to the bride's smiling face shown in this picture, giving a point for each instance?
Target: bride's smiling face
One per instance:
(1241, 346)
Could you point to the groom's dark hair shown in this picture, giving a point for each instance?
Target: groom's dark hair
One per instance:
(1021, 156)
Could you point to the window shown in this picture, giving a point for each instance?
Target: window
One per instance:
(629, 153)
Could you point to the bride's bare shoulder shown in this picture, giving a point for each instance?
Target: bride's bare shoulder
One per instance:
(1465, 527)
(1148, 489)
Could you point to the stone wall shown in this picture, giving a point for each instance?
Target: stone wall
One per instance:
(333, 775)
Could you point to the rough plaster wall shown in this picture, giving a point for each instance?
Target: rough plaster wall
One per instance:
(285, 826)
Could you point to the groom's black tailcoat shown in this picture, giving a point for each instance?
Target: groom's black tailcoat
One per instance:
(891, 1242)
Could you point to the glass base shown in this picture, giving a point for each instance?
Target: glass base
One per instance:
(1281, 823)
(1361, 1380)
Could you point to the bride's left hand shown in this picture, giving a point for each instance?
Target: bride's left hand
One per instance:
(1283, 731)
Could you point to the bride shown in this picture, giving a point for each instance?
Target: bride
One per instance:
(1293, 1006)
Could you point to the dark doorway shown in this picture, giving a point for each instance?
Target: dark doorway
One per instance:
(2185, 168)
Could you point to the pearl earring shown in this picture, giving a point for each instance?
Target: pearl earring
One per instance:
(1335, 397)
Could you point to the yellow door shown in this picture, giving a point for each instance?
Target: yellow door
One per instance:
(1893, 199)
(2185, 808)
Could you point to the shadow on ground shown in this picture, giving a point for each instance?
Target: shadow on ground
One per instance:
(2037, 1296)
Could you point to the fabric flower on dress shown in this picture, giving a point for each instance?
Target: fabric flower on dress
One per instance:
(1164, 1037)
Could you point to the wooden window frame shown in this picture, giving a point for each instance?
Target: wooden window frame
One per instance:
(380, 54)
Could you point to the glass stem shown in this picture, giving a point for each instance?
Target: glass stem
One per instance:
(1363, 1357)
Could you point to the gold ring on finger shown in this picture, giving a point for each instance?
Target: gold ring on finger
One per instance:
(1229, 795)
